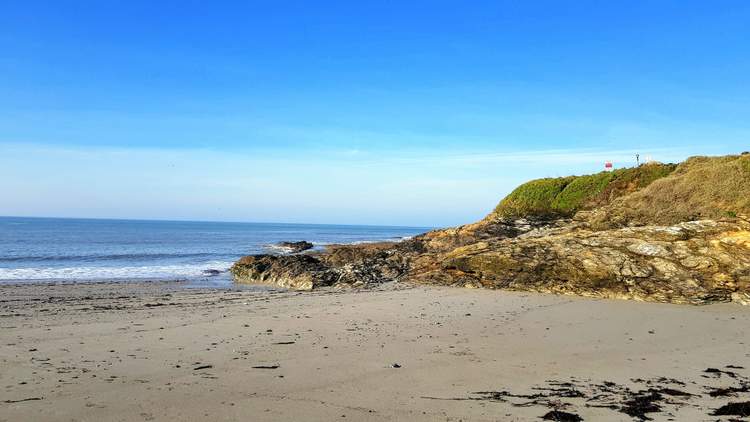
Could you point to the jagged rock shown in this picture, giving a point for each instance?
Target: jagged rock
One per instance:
(340, 265)
(694, 262)
(370, 263)
(491, 228)
(295, 247)
(301, 272)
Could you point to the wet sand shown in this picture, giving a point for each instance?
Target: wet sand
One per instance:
(158, 351)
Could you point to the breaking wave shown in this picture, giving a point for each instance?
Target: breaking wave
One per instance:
(112, 273)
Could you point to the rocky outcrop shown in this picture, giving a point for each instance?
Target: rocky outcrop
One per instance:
(295, 247)
(342, 265)
(301, 272)
(657, 252)
(694, 262)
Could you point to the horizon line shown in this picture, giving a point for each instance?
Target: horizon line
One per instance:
(166, 220)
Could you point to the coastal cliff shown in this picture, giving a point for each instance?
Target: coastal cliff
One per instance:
(657, 232)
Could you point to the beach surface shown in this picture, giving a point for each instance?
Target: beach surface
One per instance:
(159, 351)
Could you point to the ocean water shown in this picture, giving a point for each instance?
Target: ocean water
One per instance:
(60, 249)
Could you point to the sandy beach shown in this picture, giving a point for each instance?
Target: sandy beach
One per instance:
(159, 351)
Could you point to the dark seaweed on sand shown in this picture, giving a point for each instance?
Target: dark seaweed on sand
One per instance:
(641, 403)
(560, 416)
(657, 395)
(733, 409)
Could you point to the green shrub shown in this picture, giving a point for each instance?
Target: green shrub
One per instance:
(579, 191)
(533, 198)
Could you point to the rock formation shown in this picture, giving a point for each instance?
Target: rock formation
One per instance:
(656, 232)
(295, 247)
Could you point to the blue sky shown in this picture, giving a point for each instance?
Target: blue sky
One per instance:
(406, 113)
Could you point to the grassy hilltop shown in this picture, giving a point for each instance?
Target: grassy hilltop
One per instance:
(653, 193)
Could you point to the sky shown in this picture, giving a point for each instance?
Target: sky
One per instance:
(422, 113)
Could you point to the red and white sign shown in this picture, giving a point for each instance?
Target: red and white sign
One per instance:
(607, 165)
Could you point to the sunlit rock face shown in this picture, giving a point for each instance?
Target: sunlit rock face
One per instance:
(695, 262)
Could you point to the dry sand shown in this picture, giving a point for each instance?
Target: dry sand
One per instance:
(159, 351)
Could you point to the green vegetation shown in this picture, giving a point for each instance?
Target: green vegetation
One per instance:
(629, 180)
(581, 190)
(565, 196)
(700, 187)
(533, 198)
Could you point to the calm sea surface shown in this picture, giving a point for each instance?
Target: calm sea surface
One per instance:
(47, 249)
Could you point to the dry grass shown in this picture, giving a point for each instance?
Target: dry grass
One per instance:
(701, 187)
(629, 180)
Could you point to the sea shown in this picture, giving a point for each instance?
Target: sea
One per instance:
(82, 250)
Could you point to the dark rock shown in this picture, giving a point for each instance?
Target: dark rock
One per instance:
(301, 272)
(211, 272)
(342, 265)
(295, 247)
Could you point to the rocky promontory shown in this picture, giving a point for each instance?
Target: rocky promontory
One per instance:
(657, 232)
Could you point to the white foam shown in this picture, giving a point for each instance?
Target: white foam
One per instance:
(279, 249)
(365, 242)
(112, 273)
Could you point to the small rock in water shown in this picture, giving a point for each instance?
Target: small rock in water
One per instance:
(211, 272)
(295, 247)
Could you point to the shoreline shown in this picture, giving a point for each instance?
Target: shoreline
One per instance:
(223, 276)
(19, 283)
(158, 351)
